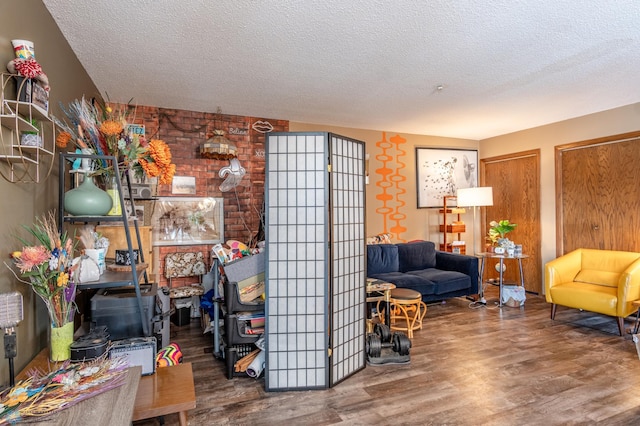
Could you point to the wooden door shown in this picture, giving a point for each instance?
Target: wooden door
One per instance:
(515, 179)
(598, 194)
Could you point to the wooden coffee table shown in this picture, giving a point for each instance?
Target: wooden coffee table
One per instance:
(169, 390)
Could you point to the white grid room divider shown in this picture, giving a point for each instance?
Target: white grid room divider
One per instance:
(315, 266)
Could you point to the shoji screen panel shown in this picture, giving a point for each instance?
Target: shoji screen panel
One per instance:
(315, 264)
(297, 262)
(347, 285)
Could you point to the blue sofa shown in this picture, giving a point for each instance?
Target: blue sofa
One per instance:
(435, 274)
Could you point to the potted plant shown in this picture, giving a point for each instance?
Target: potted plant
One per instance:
(498, 231)
(31, 137)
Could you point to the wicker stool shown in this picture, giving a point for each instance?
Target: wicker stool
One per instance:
(407, 305)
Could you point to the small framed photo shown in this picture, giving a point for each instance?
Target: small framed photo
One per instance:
(183, 185)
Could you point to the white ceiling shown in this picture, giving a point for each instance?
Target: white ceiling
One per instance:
(503, 65)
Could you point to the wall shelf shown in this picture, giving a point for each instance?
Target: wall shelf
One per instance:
(18, 162)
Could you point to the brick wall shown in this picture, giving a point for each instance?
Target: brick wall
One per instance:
(184, 131)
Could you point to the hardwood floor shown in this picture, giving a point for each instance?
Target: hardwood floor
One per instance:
(482, 366)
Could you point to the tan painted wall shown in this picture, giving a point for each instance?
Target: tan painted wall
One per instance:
(420, 223)
(606, 123)
(423, 222)
(21, 203)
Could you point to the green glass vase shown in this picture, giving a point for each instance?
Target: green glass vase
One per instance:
(87, 200)
(60, 340)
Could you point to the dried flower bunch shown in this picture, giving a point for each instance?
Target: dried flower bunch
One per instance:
(46, 393)
(103, 130)
(47, 267)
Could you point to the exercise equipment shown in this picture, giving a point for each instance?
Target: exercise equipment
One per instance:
(384, 347)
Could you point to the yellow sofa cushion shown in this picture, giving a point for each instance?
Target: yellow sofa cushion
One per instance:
(592, 276)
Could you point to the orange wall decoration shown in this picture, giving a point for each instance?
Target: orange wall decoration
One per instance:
(390, 182)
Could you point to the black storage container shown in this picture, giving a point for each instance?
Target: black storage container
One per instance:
(117, 308)
(233, 302)
(181, 316)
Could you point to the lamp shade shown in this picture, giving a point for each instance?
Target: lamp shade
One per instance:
(475, 197)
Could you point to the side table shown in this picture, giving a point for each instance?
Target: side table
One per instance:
(379, 291)
(169, 390)
(636, 303)
(501, 257)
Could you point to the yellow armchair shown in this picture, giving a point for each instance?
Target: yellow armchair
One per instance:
(602, 281)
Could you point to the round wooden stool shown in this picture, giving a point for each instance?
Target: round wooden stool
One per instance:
(407, 306)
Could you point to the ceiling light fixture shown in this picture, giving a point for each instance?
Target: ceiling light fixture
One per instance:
(218, 147)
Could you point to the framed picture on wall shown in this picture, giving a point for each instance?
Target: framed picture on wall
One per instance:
(441, 172)
(183, 185)
(187, 221)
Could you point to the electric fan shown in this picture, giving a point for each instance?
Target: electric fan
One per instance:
(235, 171)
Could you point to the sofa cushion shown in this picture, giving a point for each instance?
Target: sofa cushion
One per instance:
(402, 280)
(381, 258)
(444, 281)
(416, 256)
(590, 297)
(592, 276)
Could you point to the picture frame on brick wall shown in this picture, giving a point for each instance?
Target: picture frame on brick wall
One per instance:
(187, 221)
(183, 185)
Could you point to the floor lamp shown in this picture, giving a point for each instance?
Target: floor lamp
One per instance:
(475, 197)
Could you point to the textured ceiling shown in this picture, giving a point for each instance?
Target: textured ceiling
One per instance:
(502, 65)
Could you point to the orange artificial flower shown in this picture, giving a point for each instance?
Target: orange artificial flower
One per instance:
(150, 169)
(110, 128)
(156, 161)
(63, 139)
(167, 177)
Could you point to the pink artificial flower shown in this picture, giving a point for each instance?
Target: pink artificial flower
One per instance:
(32, 257)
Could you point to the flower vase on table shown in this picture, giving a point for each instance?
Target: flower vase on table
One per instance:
(46, 267)
(497, 237)
(60, 340)
(61, 307)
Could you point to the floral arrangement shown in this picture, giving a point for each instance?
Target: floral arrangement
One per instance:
(47, 267)
(43, 394)
(156, 161)
(499, 230)
(104, 130)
